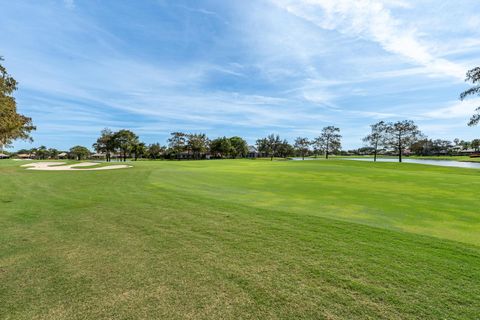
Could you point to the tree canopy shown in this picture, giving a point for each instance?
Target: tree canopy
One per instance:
(377, 137)
(79, 152)
(12, 124)
(473, 76)
(105, 143)
(124, 140)
(402, 134)
(221, 147)
(269, 145)
(197, 143)
(302, 144)
(239, 147)
(329, 140)
(155, 150)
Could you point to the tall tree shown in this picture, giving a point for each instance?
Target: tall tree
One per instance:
(274, 142)
(79, 152)
(42, 153)
(239, 147)
(53, 153)
(329, 140)
(475, 144)
(269, 145)
(197, 143)
(422, 147)
(155, 150)
(139, 149)
(262, 146)
(221, 147)
(105, 143)
(285, 149)
(401, 135)
(124, 140)
(177, 142)
(12, 124)
(440, 146)
(473, 76)
(377, 137)
(302, 144)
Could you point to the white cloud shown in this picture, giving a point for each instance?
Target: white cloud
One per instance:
(373, 21)
(457, 109)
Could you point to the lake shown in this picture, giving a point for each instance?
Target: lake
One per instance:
(442, 163)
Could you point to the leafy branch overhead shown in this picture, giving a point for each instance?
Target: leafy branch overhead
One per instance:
(12, 124)
(473, 76)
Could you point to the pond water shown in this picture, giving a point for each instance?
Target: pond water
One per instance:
(442, 163)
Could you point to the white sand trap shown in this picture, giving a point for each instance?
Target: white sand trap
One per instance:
(62, 166)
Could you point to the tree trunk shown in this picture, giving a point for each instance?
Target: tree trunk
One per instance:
(399, 149)
(326, 150)
(375, 153)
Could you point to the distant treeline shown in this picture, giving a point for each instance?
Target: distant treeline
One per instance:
(404, 137)
(392, 138)
(125, 144)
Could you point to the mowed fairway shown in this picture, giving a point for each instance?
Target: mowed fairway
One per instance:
(240, 239)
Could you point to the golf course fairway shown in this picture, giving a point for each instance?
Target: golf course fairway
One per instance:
(240, 239)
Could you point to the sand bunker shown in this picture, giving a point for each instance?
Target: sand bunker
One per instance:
(62, 166)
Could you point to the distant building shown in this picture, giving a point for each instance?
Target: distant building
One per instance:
(4, 156)
(458, 150)
(98, 156)
(63, 155)
(467, 151)
(253, 153)
(26, 155)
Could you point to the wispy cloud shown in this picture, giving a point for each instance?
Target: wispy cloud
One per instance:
(239, 67)
(372, 20)
(69, 4)
(456, 110)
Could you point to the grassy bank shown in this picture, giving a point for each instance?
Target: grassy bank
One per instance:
(240, 239)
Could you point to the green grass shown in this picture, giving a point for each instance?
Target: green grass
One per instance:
(240, 239)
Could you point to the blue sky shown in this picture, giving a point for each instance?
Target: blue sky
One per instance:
(246, 68)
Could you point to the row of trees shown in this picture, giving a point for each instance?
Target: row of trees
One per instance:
(401, 135)
(328, 142)
(429, 147)
(123, 141)
(196, 145)
(398, 136)
(180, 145)
(43, 153)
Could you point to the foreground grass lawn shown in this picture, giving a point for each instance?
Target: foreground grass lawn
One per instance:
(240, 239)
